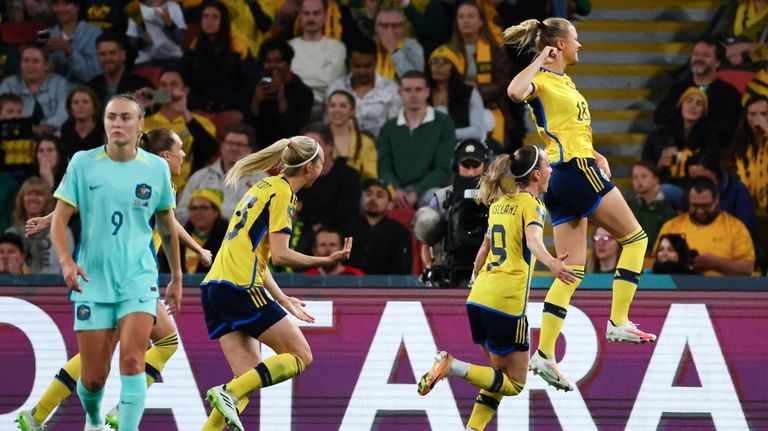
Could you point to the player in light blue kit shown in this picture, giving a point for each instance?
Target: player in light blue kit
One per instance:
(117, 189)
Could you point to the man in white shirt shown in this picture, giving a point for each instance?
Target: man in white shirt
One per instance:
(376, 98)
(318, 60)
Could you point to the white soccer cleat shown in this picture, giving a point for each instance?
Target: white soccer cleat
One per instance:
(547, 369)
(89, 427)
(627, 332)
(25, 422)
(226, 404)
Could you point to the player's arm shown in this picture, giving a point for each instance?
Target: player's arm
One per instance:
(482, 254)
(521, 85)
(69, 269)
(534, 240)
(35, 225)
(186, 239)
(282, 255)
(293, 305)
(602, 163)
(166, 226)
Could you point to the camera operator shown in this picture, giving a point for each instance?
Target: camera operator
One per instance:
(449, 262)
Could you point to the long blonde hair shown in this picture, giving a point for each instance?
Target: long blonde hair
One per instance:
(32, 185)
(506, 174)
(536, 34)
(294, 151)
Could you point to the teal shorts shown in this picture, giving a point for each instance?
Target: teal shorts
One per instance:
(90, 316)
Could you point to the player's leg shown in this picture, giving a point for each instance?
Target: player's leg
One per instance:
(501, 335)
(96, 347)
(242, 352)
(515, 367)
(615, 216)
(165, 341)
(293, 356)
(136, 318)
(62, 385)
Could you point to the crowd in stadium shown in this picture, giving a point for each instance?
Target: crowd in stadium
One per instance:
(387, 88)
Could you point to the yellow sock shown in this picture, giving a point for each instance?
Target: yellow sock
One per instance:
(492, 380)
(555, 308)
(272, 371)
(61, 386)
(158, 355)
(485, 407)
(215, 421)
(628, 271)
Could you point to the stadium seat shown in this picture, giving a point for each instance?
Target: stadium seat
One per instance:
(21, 33)
(737, 78)
(152, 73)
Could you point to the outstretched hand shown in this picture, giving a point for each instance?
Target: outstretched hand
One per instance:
(296, 307)
(343, 254)
(35, 225)
(561, 270)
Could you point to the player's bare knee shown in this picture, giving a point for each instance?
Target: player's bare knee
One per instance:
(131, 364)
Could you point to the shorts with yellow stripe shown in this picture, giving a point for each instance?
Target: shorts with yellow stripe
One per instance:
(576, 188)
(228, 309)
(500, 333)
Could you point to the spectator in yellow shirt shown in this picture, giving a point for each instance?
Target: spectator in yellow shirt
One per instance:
(722, 241)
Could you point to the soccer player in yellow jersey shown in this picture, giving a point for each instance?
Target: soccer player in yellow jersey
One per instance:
(165, 340)
(238, 311)
(579, 186)
(497, 304)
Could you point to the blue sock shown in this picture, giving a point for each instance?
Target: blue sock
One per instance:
(91, 403)
(133, 393)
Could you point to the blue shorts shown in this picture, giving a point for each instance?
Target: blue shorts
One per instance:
(229, 309)
(90, 316)
(500, 334)
(575, 190)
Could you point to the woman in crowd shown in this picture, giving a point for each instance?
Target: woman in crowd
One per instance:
(351, 145)
(51, 164)
(219, 65)
(669, 147)
(750, 150)
(450, 95)
(35, 199)
(83, 129)
(673, 256)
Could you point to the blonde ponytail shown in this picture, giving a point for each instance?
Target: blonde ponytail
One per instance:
(296, 152)
(535, 34)
(492, 184)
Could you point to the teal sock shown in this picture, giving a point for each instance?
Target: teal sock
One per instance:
(91, 403)
(133, 393)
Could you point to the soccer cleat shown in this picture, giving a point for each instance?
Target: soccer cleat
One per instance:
(25, 422)
(627, 332)
(226, 404)
(111, 419)
(89, 427)
(547, 369)
(438, 372)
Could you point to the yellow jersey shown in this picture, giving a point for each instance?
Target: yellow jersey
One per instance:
(725, 237)
(505, 278)
(268, 206)
(561, 116)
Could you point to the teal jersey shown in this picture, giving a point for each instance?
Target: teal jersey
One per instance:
(117, 201)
